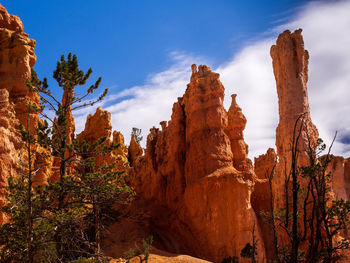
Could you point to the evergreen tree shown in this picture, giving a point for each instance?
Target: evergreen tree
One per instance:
(65, 215)
(21, 237)
(53, 221)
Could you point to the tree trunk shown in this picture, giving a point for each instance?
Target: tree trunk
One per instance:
(29, 199)
(97, 230)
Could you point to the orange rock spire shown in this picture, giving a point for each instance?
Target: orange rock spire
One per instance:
(290, 66)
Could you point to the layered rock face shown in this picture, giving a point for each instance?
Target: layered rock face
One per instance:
(290, 66)
(190, 172)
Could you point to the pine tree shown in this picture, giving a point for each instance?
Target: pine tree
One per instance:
(21, 237)
(81, 189)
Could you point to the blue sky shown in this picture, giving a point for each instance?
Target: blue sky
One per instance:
(144, 49)
(125, 40)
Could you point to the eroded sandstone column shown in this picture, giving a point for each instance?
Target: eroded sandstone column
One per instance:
(206, 120)
(290, 66)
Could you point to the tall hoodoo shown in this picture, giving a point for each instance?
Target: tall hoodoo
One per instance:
(290, 66)
(206, 120)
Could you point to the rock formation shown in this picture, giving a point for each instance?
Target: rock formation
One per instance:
(189, 171)
(134, 150)
(339, 168)
(264, 168)
(198, 192)
(121, 152)
(235, 127)
(290, 66)
(16, 60)
(10, 142)
(96, 126)
(102, 120)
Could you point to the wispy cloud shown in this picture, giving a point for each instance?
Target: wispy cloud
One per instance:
(249, 74)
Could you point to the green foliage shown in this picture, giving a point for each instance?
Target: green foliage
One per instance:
(84, 260)
(141, 252)
(13, 233)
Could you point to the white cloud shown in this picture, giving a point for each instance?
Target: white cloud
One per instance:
(147, 105)
(249, 74)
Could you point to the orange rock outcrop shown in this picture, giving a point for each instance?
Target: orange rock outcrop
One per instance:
(99, 125)
(134, 150)
(340, 177)
(290, 65)
(189, 172)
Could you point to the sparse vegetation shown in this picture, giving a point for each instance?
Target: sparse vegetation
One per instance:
(309, 215)
(137, 134)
